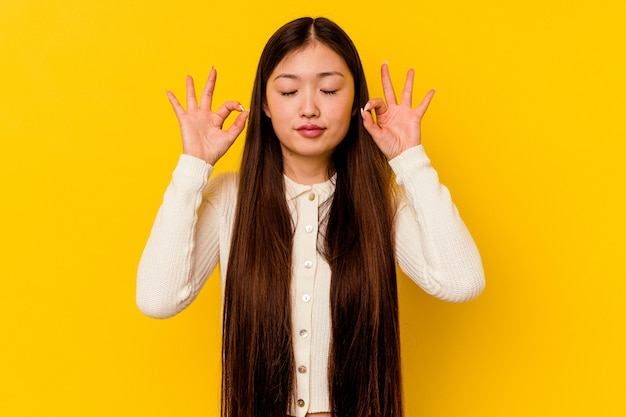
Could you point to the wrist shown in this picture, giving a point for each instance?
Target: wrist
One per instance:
(208, 157)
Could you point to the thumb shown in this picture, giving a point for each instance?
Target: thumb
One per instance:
(369, 124)
(238, 125)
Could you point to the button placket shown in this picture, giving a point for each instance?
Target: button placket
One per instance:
(305, 265)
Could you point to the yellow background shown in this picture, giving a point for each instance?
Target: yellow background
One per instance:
(526, 129)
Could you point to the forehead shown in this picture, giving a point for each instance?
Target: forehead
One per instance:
(313, 59)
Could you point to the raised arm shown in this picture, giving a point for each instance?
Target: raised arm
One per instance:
(433, 245)
(184, 244)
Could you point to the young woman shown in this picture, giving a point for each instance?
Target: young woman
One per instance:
(309, 231)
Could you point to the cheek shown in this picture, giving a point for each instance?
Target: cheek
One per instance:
(274, 106)
(279, 109)
(281, 124)
(342, 111)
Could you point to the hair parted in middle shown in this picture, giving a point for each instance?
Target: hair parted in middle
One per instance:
(258, 374)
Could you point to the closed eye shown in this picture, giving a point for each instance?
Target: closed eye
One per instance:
(287, 93)
(329, 92)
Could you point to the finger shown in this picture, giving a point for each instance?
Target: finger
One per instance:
(421, 109)
(178, 109)
(207, 94)
(237, 127)
(407, 92)
(192, 102)
(227, 108)
(389, 94)
(377, 104)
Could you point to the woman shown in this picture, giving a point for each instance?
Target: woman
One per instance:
(309, 231)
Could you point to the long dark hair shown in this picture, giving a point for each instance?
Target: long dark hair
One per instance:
(364, 364)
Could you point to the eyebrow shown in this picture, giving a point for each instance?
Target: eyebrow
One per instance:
(319, 75)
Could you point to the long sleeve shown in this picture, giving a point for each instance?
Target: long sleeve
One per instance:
(433, 246)
(184, 245)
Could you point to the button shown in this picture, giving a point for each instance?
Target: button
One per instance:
(308, 264)
(306, 298)
(300, 403)
(304, 333)
(311, 196)
(302, 369)
(308, 228)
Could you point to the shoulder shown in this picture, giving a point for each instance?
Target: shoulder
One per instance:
(223, 187)
(225, 180)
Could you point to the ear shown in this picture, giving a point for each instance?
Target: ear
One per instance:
(266, 109)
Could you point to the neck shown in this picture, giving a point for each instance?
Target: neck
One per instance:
(306, 171)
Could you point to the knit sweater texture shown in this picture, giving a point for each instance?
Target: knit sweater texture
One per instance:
(193, 229)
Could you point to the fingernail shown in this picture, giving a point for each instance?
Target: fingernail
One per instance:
(367, 107)
(241, 108)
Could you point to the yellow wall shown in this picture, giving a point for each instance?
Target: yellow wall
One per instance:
(527, 129)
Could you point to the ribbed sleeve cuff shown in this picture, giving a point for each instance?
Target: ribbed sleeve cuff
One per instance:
(410, 160)
(192, 171)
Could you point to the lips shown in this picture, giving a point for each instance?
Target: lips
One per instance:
(310, 130)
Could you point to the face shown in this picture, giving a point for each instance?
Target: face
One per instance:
(309, 98)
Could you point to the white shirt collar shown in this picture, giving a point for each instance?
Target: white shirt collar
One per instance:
(324, 189)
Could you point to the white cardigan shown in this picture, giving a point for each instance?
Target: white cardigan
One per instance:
(192, 233)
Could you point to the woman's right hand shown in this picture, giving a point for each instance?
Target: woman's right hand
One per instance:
(201, 128)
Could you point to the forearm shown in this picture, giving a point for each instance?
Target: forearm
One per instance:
(169, 275)
(433, 245)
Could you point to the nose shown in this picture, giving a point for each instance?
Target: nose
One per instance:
(308, 106)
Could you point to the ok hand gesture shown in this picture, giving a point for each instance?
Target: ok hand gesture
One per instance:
(397, 126)
(201, 128)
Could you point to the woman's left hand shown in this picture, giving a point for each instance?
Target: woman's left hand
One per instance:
(397, 126)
